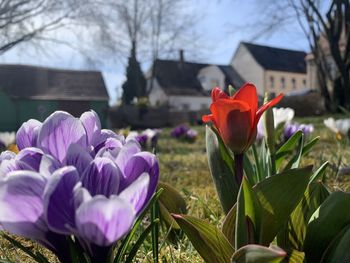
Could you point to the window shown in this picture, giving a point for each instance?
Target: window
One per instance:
(272, 82)
(294, 86)
(304, 83)
(204, 106)
(283, 83)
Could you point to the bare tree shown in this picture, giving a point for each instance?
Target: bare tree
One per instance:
(321, 22)
(27, 20)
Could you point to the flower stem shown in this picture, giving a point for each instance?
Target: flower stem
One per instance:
(239, 167)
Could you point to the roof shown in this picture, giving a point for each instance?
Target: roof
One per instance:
(32, 82)
(278, 59)
(180, 78)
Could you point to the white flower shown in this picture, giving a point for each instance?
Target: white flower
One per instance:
(338, 126)
(7, 138)
(280, 115)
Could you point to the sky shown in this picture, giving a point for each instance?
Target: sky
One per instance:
(221, 26)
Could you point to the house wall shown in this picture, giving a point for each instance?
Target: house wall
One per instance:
(246, 65)
(157, 96)
(211, 77)
(273, 81)
(189, 103)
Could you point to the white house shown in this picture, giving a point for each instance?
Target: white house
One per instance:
(186, 85)
(271, 69)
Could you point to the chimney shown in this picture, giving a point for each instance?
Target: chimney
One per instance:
(181, 53)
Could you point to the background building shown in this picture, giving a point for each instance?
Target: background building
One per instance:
(271, 69)
(35, 92)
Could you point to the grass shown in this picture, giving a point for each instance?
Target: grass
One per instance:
(184, 166)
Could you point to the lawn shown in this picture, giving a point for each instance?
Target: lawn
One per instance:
(184, 166)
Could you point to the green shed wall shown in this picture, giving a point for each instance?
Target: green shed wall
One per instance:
(16, 111)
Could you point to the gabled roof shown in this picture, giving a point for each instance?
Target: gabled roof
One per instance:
(278, 59)
(32, 82)
(180, 78)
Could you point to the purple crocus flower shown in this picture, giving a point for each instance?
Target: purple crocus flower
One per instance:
(179, 131)
(73, 178)
(292, 128)
(191, 135)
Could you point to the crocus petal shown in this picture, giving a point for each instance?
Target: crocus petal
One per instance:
(103, 221)
(7, 155)
(143, 162)
(266, 106)
(31, 156)
(102, 176)
(59, 200)
(21, 204)
(248, 94)
(127, 151)
(48, 165)
(217, 93)
(27, 134)
(136, 193)
(12, 165)
(91, 123)
(78, 157)
(99, 139)
(58, 132)
(233, 120)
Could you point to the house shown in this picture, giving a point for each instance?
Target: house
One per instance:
(186, 85)
(271, 69)
(35, 92)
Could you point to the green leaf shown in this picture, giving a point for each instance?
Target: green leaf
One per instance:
(125, 244)
(208, 240)
(140, 241)
(258, 254)
(328, 221)
(155, 231)
(221, 167)
(287, 148)
(295, 256)
(278, 196)
(248, 216)
(295, 161)
(37, 256)
(170, 201)
(338, 251)
(310, 144)
(229, 225)
(292, 236)
(319, 174)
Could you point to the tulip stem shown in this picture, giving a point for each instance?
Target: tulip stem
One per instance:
(239, 167)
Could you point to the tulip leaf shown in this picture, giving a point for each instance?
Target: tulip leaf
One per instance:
(247, 217)
(295, 161)
(319, 173)
(258, 254)
(229, 225)
(310, 144)
(170, 201)
(292, 236)
(295, 256)
(338, 251)
(221, 167)
(287, 148)
(331, 218)
(208, 240)
(278, 196)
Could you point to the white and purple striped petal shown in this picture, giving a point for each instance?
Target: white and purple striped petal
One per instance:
(59, 200)
(27, 134)
(101, 177)
(78, 157)
(91, 124)
(58, 132)
(103, 221)
(21, 202)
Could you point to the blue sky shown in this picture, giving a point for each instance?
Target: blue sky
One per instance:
(221, 27)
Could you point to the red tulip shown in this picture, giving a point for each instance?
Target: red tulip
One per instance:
(236, 117)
